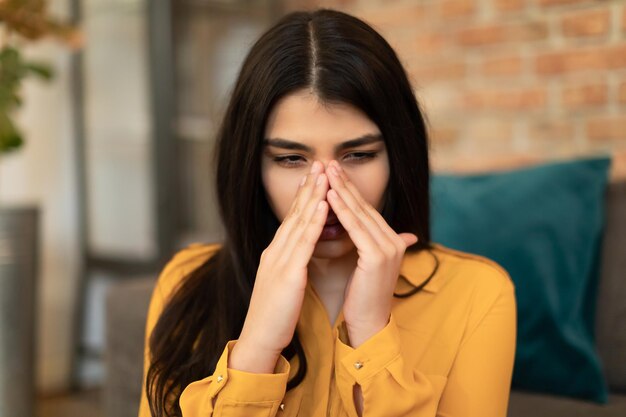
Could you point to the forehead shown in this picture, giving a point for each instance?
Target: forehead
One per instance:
(302, 117)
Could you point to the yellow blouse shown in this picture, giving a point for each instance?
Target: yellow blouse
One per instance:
(447, 350)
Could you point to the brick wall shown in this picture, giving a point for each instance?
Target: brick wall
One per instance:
(538, 79)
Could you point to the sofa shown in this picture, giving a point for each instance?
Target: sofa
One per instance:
(127, 303)
(610, 326)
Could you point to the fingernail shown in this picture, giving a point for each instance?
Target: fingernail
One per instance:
(315, 168)
(303, 181)
(320, 178)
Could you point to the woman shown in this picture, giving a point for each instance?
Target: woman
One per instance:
(327, 296)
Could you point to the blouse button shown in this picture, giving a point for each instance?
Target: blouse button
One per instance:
(220, 378)
(358, 365)
(282, 407)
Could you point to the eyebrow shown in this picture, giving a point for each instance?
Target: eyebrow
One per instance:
(297, 146)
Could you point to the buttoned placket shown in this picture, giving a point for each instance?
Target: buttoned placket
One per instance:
(315, 328)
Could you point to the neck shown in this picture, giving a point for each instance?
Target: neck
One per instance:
(332, 274)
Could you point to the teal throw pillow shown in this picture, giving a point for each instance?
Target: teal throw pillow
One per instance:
(544, 225)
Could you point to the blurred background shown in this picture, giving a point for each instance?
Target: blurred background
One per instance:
(114, 165)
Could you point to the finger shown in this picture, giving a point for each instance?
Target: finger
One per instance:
(305, 245)
(305, 190)
(374, 214)
(390, 243)
(303, 196)
(356, 229)
(409, 238)
(305, 234)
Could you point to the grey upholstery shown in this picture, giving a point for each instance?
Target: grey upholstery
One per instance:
(128, 301)
(611, 309)
(126, 312)
(526, 404)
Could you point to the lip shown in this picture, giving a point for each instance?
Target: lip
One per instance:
(332, 232)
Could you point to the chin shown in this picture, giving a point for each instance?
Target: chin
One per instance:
(335, 248)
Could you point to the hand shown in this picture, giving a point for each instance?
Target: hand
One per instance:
(369, 291)
(281, 278)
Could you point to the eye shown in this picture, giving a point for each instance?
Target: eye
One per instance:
(288, 161)
(292, 161)
(361, 156)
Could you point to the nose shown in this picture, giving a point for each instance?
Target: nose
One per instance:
(325, 164)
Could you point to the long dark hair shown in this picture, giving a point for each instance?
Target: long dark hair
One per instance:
(342, 60)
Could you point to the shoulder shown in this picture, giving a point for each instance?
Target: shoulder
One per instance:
(464, 271)
(475, 284)
(182, 263)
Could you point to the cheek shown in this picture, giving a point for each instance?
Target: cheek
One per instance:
(371, 184)
(281, 188)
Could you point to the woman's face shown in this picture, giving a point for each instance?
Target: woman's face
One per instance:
(310, 130)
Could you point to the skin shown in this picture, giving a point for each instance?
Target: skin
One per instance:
(302, 118)
(357, 271)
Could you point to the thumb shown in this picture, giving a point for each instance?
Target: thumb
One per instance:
(409, 238)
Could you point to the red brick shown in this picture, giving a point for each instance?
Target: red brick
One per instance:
(427, 43)
(298, 4)
(505, 65)
(599, 58)
(618, 163)
(441, 71)
(529, 98)
(548, 130)
(439, 100)
(393, 15)
(509, 5)
(586, 23)
(584, 95)
(338, 4)
(607, 128)
(550, 3)
(502, 33)
(479, 162)
(621, 94)
(444, 135)
(487, 130)
(457, 8)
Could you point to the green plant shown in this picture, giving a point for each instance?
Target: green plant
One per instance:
(23, 21)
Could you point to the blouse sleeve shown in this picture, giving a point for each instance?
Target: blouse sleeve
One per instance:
(228, 392)
(478, 384)
(389, 387)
